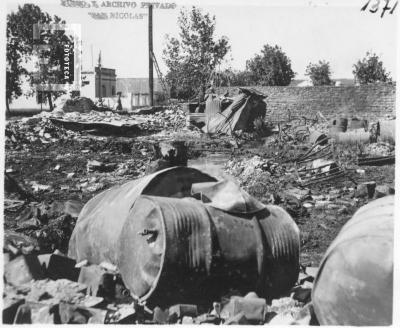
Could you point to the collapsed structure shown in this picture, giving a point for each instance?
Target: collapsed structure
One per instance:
(240, 115)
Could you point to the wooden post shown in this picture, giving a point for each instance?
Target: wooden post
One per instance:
(151, 85)
(99, 77)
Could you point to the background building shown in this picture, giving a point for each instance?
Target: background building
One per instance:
(91, 85)
(136, 90)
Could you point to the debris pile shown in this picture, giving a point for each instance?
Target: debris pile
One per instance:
(52, 288)
(52, 126)
(36, 129)
(78, 104)
(56, 162)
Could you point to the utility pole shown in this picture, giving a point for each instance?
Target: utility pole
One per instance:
(100, 77)
(151, 85)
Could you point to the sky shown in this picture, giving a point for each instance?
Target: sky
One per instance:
(307, 31)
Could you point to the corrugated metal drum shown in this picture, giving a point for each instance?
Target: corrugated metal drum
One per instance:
(359, 136)
(354, 284)
(338, 125)
(162, 236)
(181, 250)
(356, 124)
(101, 220)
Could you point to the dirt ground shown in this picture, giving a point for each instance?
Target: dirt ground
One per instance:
(51, 172)
(62, 165)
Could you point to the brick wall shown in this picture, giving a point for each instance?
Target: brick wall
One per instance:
(365, 102)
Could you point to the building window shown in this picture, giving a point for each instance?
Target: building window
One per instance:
(103, 91)
(113, 91)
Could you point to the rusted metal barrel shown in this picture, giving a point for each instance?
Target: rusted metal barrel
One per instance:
(387, 131)
(359, 136)
(338, 125)
(96, 233)
(170, 247)
(181, 250)
(354, 284)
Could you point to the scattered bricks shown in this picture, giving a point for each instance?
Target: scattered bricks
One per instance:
(182, 310)
(305, 317)
(254, 309)
(187, 321)
(92, 277)
(10, 307)
(23, 269)
(299, 194)
(59, 267)
(72, 314)
(281, 319)
(305, 278)
(312, 271)
(308, 284)
(302, 294)
(283, 304)
(100, 167)
(365, 189)
(238, 319)
(360, 172)
(53, 291)
(91, 301)
(160, 316)
(35, 313)
(322, 203)
(208, 319)
(383, 190)
(125, 315)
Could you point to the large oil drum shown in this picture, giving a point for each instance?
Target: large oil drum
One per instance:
(353, 137)
(354, 284)
(170, 247)
(100, 222)
(339, 124)
(181, 250)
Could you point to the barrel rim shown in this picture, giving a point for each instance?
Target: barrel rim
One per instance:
(154, 284)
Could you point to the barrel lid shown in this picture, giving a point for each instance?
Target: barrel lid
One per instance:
(141, 248)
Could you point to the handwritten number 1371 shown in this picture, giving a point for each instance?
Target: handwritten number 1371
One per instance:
(375, 6)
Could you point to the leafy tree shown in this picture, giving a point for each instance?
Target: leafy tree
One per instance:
(235, 78)
(20, 49)
(370, 70)
(320, 74)
(193, 57)
(271, 67)
(14, 69)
